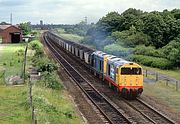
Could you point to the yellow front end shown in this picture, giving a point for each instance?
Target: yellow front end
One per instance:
(130, 78)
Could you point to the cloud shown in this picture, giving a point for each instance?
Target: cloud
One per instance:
(10, 3)
(73, 11)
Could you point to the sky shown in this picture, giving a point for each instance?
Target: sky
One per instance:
(74, 11)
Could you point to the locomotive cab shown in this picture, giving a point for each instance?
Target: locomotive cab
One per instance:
(131, 80)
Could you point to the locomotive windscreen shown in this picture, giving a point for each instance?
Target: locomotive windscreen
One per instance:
(131, 71)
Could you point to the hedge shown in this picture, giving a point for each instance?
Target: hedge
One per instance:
(151, 61)
(117, 50)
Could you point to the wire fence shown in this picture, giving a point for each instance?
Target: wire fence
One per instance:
(161, 77)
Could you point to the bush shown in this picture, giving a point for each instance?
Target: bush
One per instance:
(35, 45)
(51, 81)
(44, 64)
(152, 61)
(148, 51)
(117, 50)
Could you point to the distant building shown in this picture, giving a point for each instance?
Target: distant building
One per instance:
(41, 22)
(10, 34)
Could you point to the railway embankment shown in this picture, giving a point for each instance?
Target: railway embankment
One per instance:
(50, 105)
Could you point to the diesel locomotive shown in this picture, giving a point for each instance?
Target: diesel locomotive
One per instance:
(125, 76)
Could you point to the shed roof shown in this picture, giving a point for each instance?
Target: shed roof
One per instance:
(3, 27)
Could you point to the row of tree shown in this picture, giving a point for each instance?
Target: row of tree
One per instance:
(133, 27)
(153, 28)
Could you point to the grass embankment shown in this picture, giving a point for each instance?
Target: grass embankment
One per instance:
(163, 93)
(51, 106)
(73, 37)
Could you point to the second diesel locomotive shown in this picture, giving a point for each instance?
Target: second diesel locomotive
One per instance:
(126, 76)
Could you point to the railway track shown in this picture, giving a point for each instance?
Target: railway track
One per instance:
(150, 113)
(112, 114)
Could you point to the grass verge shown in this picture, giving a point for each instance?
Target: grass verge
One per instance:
(51, 106)
(12, 58)
(165, 94)
(171, 73)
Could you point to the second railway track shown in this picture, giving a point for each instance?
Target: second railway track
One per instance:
(144, 109)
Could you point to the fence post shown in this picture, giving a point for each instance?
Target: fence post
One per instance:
(156, 76)
(167, 82)
(176, 85)
(4, 76)
(146, 72)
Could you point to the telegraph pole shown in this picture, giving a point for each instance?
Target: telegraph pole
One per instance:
(11, 18)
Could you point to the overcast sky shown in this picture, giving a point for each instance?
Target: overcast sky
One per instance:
(73, 11)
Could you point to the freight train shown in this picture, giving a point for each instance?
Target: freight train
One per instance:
(125, 76)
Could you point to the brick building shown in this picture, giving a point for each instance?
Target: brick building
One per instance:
(10, 34)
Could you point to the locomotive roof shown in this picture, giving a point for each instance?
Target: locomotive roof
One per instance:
(121, 62)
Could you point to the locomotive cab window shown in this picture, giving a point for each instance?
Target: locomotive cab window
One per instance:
(131, 71)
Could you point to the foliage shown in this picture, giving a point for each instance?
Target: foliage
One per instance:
(79, 29)
(153, 33)
(4, 23)
(131, 37)
(25, 27)
(148, 51)
(117, 50)
(51, 81)
(44, 64)
(39, 53)
(109, 23)
(35, 45)
(172, 51)
(152, 61)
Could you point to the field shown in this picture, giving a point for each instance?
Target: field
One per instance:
(163, 93)
(11, 60)
(69, 36)
(51, 106)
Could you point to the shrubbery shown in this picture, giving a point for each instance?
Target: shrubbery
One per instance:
(51, 81)
(117, 50)
(148, 51)
(45, 66)
(152, 61)
(35, 44)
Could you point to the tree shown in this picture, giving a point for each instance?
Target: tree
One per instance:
(109, 23)
(25, 27)
(131, 37)
(172, 51)
(4, 23)
(176, 13)
(154, 26)
(131, 17)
